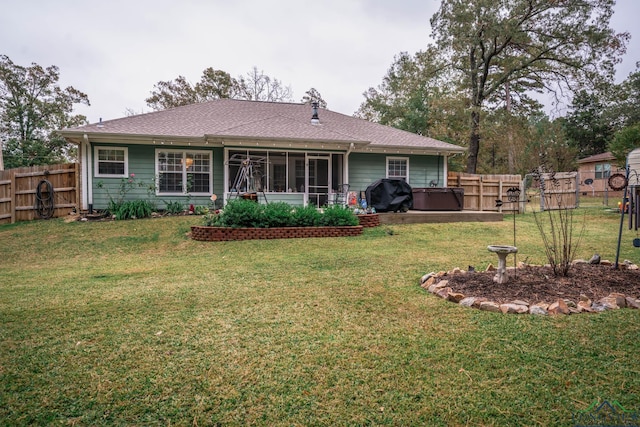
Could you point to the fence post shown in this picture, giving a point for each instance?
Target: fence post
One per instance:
(500, 193)
(577, 186)
(77, 184)
(481, 201)
(13, 197)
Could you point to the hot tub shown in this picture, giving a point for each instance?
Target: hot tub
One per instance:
(438, 199)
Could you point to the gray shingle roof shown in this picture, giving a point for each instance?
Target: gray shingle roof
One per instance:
(598, 158)
(229, 118)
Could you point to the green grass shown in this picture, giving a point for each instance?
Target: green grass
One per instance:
(133, 323)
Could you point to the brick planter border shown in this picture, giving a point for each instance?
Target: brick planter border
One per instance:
(369, 220)
(219, 234)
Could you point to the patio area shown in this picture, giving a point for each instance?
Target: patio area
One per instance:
(420, 217)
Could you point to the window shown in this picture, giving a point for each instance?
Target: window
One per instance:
(398, 167)
(111, 162)
(603, 171)
(181, 172)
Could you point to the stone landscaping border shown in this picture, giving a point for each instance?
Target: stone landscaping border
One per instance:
(219, 234)
(437, 285)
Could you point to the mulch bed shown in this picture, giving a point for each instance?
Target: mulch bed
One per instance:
(538, 284)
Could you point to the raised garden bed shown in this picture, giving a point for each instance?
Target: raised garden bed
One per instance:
(369, 220)
(219, 234)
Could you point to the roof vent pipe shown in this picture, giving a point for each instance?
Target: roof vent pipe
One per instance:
(100, 125)
(315, 120)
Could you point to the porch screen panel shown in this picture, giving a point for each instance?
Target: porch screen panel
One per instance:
(296, 172)
(278, 172)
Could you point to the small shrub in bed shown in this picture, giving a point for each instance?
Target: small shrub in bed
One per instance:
(278, 214)
(133, 209)
(305, 216)
(246, 213)
(174, 207)
(243, 213)
(338, 216)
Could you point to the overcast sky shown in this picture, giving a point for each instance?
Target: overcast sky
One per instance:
(115, 51)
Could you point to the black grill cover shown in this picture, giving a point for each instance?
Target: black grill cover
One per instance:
(389, 195)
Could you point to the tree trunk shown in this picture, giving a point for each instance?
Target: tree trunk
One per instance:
(474, 142)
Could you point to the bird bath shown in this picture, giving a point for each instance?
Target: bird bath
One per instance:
(502, 251)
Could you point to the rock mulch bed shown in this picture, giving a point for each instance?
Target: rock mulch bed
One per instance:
(535, 290)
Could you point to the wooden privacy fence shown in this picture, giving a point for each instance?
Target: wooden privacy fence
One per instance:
(561, 190)
(21, 188)
(482, 191)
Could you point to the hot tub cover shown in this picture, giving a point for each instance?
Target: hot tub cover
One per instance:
(389, 195)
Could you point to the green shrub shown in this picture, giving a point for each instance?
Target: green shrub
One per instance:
(134, 209)
(243, 213)
(336, 216)
(113, 207)
(201, 210)
(305, 216)
(212, 219)
(278, 214)
(246, 213)
(174, 208)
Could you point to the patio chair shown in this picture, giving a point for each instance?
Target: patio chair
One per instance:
(339, 196)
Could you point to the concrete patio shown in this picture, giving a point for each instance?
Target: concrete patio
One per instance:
(420, 217)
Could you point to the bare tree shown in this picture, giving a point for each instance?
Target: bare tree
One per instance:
(257, 86)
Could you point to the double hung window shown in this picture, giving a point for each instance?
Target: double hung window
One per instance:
(181, 172)
(398, 167)
(111, 162)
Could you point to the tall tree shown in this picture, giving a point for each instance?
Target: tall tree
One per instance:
(406, 95)
(214, 84)
(538, 45)
(624, 142)
(312, 95)
(588, 126)
(217, 84)
(547, 145)
(625, 106)
(32, 108)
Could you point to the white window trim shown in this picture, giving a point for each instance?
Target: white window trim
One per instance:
(406, 159)
(184, 172)
(604, 172)
(96, 162)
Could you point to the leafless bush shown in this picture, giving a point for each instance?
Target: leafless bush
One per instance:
(557, 224)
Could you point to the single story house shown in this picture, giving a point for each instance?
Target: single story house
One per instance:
(296, 153)
(594, 172)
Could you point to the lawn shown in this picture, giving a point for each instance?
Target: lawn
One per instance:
(133, 323)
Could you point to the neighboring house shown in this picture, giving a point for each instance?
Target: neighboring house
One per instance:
(595, 172)
(296, 153)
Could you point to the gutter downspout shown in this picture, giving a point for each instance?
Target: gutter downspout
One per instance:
(445, 170)
(346, 163)
(87, 189)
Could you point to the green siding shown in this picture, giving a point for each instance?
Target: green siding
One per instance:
(218, 172)
(142, 164)
(364, 169)
(426, 171)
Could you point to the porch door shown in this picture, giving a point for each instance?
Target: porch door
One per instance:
(318, 173)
